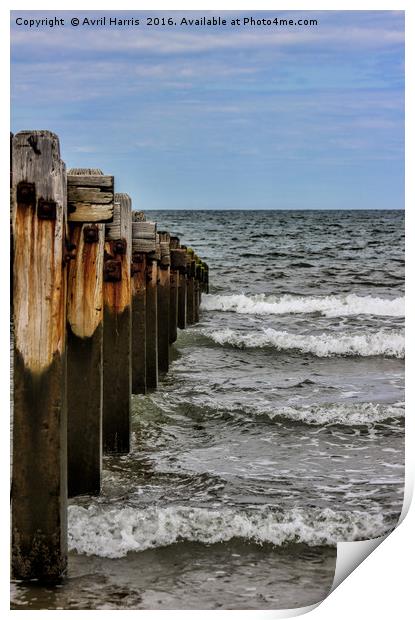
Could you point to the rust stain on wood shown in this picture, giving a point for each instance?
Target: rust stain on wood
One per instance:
(151, 324)
(138, 281)
(37, 293)
(39, 508)
(117, 295)
(138, 311)
(85, 307)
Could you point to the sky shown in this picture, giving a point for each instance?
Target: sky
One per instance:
(225, 117)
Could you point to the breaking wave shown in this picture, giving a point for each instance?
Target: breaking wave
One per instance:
(343, 414)
(359, 414)
(113, 531)
(387, 343)
(329, 306)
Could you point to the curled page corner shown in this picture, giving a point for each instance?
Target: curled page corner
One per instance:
(279, 613)
(300, 611)
(408, 492)
(350, 555)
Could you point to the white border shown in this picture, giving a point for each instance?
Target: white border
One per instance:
(383, 585)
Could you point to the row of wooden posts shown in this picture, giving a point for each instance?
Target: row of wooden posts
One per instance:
(98, 295)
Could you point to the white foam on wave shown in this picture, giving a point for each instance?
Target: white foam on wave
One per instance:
(345, 414)
(329, 306)
(358, 414)
(387, 343)
(114, 531)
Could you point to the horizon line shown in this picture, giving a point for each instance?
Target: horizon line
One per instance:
(271, 209)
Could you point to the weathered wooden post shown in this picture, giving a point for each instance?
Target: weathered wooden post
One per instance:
(206, 277)
(191, 270)
(143, 242)
(174, 288)
(182, 291)
(90, 201)
(39, 488)
(178, 258)
(201, 280)
(163, 302)
(117, 329)
(197, 289)
(11, 227)
(151, 316)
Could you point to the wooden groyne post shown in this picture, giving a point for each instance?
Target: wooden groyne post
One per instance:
(143, 243)
(151, 314)
(163, 302)
(117, 329)
(197, 291)
(174, 289)
(39, 482)
(85, 275)
(205, 277)
(190, 301)
(181, 256)
(90, 202)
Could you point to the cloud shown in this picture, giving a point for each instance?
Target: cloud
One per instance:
(260, 107)
(84, 149)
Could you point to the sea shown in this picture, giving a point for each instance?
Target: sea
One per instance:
(277, 432)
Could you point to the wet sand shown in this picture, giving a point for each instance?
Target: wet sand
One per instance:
(233, 575)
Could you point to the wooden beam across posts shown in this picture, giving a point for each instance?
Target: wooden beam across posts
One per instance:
(90, 195)
(151, 318)
(174, 290)
(143, 243)
(39, 488)
(117, 329)
(163, 302)
(85, 353)
(190, 301)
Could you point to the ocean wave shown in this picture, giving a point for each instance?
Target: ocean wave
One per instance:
(387, 343)
(343, 414)
(358, 414)
(113, 532)
(329, 306)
